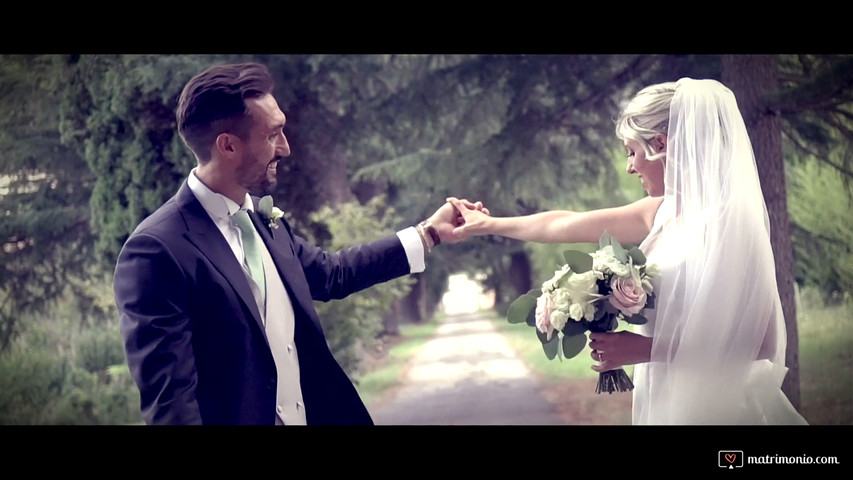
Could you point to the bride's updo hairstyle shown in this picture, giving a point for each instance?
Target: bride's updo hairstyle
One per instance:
(646, 115)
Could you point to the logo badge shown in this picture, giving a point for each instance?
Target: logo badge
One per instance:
(730, 459)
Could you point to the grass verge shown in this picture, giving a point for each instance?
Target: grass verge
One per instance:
(374, 385)
(826, 360)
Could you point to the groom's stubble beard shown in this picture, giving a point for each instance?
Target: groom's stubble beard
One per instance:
(259, 181)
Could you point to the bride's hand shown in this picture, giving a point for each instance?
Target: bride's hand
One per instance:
(616, 349)
(474, 218)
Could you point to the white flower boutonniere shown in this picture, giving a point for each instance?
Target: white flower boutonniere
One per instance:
(268, 210)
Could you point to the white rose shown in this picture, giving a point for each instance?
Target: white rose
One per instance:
(652, 270)
(588, 311)
(558, 319)
(550, 285)
(583, 287)
(576, 311)
(562, 299)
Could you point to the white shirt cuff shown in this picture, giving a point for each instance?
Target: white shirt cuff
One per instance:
(414, 247)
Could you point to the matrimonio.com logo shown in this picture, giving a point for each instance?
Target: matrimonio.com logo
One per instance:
(730, 459)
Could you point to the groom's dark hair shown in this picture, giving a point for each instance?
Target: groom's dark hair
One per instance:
(213, 102)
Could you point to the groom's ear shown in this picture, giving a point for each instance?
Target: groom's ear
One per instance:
(225, 144)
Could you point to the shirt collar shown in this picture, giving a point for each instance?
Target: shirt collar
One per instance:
(217, 205)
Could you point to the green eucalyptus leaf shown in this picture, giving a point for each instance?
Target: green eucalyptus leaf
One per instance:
(579, 262)
(637, 256)
(604, 240)
(551, 347)
(573, 345)
(618, 251)
(574, 328)
(522, 308)
(535, 292)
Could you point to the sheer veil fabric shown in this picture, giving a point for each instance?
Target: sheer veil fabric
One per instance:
(718, 351)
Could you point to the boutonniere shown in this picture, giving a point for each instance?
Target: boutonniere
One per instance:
(268, 210)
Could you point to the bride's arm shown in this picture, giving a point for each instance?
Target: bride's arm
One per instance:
(629, 223)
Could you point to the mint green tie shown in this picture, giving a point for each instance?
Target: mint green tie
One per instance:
(251, 249)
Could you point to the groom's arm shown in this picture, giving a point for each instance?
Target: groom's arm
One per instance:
(334, 275)
(151, 294)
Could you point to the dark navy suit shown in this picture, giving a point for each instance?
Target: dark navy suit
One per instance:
(192, 331)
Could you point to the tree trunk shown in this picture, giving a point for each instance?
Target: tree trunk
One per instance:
(391, 320)
(410, 308)
(751, 77)
(520, 273)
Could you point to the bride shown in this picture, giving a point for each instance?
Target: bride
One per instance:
(713, 351)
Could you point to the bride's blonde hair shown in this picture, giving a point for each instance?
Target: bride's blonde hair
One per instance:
(646, 115)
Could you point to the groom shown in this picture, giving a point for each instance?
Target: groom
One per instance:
(217, 315)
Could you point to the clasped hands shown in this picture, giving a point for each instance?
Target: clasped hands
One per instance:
(452, 220)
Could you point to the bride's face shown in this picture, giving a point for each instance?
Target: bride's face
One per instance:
(650, 172)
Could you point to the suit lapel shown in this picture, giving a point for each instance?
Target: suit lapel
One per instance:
(205, 236)
(289, 268)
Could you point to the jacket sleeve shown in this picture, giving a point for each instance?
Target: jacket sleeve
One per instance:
(335, 275)
(152, 292)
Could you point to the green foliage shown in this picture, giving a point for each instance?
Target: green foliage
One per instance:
(826, 359)
(353, 323)
(38, 386)
(108, 397)
(823, 239)
(579, 262)
(30, 383)
(119, 110)
(522, 309)
(64, 370)
(97, 349)
(44, 193)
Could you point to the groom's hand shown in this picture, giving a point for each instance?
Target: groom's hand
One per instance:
(448, 218)
(473, 220)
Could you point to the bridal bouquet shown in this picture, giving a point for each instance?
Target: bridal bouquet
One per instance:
(590, 292)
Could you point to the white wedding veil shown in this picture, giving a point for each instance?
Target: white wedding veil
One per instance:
(718, 349)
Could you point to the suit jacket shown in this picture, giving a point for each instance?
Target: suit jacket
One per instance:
(191, 327)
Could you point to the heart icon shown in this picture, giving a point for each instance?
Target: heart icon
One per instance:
(730, 457)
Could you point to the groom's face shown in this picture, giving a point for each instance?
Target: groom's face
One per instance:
(266, 146)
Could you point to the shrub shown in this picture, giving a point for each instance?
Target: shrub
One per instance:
(30, 383)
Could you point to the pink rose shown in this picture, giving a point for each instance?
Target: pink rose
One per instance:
(628, 295)
(544, 306)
